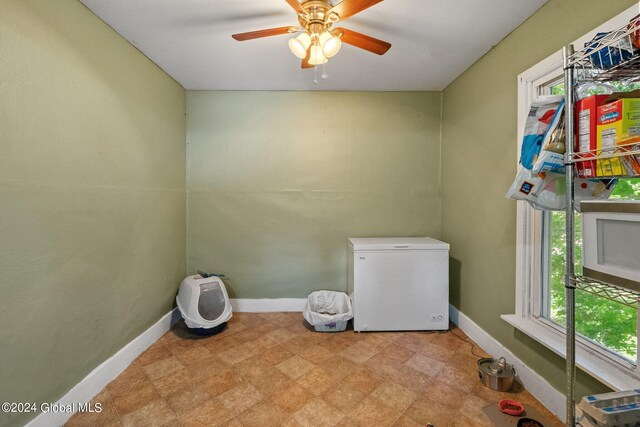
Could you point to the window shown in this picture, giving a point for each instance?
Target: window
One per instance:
(607, 339)
(610, 325)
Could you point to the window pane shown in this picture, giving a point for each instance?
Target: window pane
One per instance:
(557, 88)
(608, 323)
(627, 189)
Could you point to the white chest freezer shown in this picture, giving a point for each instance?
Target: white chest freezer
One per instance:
(399, 283)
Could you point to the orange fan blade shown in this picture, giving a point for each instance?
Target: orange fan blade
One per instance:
(264, 33)
(362, 41)
(349, 8)
(296, 6)
(305, 61)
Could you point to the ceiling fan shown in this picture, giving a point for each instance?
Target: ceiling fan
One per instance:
(317, 41)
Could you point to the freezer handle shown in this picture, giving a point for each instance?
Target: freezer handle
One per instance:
(402, 246)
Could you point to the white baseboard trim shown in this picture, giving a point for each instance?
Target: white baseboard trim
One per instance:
(551, 398)
(106, 372)
(265, 305)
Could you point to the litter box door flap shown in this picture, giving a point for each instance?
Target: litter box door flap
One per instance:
(212, 301)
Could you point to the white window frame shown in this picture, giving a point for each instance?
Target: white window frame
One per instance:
(605, 366)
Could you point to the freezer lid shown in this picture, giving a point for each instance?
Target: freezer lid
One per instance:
(395, 243)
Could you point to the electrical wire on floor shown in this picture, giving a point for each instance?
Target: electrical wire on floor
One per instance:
(473, 345)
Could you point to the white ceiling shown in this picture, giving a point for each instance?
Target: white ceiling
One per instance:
(433, 42)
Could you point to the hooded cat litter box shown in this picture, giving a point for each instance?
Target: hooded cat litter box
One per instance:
(204, 304)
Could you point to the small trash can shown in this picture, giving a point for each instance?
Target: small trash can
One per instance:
(328, 311)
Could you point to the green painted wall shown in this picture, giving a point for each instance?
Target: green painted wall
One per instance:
(92, 196)
(479, 163)
(277, 182)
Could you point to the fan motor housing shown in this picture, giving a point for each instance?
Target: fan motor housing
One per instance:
(317, 14)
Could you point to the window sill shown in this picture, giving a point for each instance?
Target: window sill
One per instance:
(613, 373)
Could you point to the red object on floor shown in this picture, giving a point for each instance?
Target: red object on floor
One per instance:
(511, 407)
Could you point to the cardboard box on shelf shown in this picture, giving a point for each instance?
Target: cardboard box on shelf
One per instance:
(586, 122)
(617, 119)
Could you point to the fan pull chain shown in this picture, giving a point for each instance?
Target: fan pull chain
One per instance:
(315, 75)
(324, 74)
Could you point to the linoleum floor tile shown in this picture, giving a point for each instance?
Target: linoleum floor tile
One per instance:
(291, 398)
(362, 380)
(281, 335)
(240, 398)
(337, 343)
(405, 421)
(427, 409)
(211, 413)
(410, 379)
(338, 367)
(135, 398)
(371, 412)
(206, 368)
(424, 364)
(315, 354)
(394, 395)
(262, 414)
(276, 354)
(154, 414)
(318, 413)
(317, 380)
(235, 354)
(193, 355)
(358, 352)
(271, 382)
(457, 379)
(221, 382)
(107, 416)
(252, 368)
(294, 367)
(153, 354)
(131, 377)
(185, 400)
(176, 381)
(343, 396)
(162, 368)
(216, 346)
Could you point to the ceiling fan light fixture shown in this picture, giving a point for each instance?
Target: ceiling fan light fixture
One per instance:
(316, 57)
(330, 45)
(300, 44)
(317, 40)
(323, 37)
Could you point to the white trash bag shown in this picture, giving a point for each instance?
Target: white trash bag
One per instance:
(328, 311)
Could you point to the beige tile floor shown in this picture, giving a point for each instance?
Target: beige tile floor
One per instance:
(272, 369)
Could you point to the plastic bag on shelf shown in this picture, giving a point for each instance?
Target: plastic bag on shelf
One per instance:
(607, 57)
(587, 89)
(551, 157)
(592, 189)
(541, 114)
(526, 186)
(553, 194)
(547, 191)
